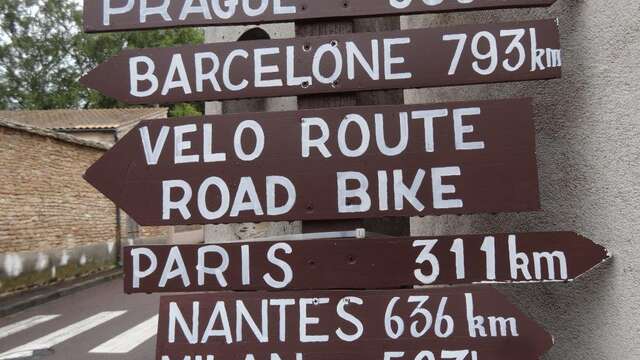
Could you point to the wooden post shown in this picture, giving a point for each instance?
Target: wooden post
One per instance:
(387, 226)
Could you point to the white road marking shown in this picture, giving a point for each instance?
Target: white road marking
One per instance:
(64, 334)
(130, 339)
(25, 324)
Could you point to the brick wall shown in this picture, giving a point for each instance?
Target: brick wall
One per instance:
(44, 202)
(151, 232)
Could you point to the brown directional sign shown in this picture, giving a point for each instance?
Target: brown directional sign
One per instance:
(376, 263)
(116, 15)
(461, 55)
(326, 164)
(445, 323)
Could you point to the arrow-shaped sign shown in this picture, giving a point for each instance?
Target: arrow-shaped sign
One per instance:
(107, 15)
(460, 55)
(110, 15)
(358, 162)
(442, 324)
(376, 263)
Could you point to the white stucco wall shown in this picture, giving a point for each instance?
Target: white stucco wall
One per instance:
(588, 135)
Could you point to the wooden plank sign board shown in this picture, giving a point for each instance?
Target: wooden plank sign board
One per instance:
(326, 164)
(117, 15)
(446, 323)
(376, 263)
(460, 55)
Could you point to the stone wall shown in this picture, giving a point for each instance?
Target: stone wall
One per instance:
(588, 137)
(44, 201)
(53, 225)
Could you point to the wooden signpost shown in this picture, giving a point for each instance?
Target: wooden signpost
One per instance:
(389, 161)
(374, 263)
(434, 324)
(458, 55)
(117, 15)
(335, 164)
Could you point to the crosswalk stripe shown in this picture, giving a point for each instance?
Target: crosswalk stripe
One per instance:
(25, 324)
(64, 334)
(129, 339)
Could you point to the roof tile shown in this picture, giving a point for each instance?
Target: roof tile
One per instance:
(83, 119)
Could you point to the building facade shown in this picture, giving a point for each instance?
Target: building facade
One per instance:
(53, 224)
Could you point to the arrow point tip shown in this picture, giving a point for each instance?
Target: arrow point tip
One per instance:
(98, 177)
(87, 79)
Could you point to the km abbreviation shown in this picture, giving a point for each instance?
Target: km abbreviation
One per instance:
(489, 326)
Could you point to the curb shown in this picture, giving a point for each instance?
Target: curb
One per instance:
(26, 301)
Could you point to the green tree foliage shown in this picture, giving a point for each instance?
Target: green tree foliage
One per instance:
(187, 109)
(43, 53)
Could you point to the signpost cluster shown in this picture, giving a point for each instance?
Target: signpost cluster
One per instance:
(378, 297)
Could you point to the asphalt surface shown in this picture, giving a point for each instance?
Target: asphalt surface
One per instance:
(98, 323)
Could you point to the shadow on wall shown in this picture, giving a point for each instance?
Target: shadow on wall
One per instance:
(575, 188)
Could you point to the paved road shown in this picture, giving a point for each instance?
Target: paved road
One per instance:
(100, 323)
